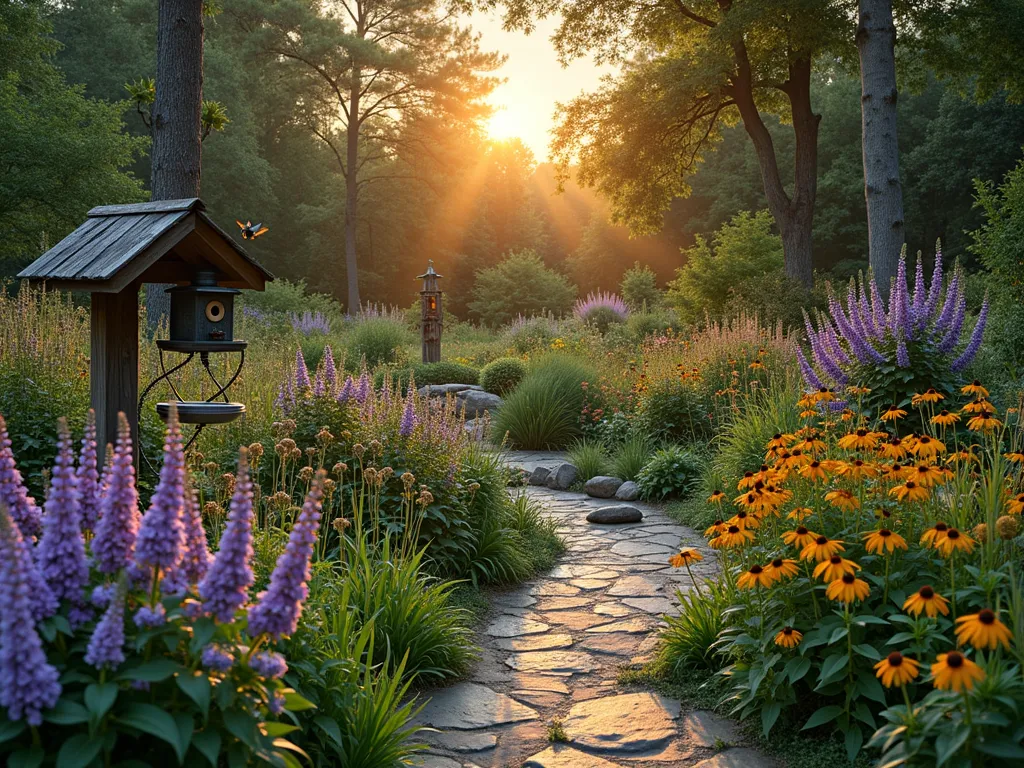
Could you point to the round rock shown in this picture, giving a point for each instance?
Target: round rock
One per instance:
(602, 486)
(628, 491)
(620, 513)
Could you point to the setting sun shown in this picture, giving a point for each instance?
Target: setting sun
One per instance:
(505, 124)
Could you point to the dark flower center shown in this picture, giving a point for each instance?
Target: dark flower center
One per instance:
(885, 533)
(924, 440)
(953, 533)
(719, 522)
(822, 540)
(975, 383)
(778, 436)
(896, 467)
(926, 593)
(911, 485)
(741, 515)
(895, 659)
(858, 463)
(777, 562)
(797, 452)
(931, 391)
(848, 578)
(862, 433)
(756, 569)
(835, 559)
(733, 529)
(758, 485)
(986, 616)
(748, 474)
(787, 631)
(954, 659)
(764, 467)
(941, 527)
(943, 412)
(801, 531)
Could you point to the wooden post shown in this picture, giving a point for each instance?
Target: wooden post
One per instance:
(114, 363)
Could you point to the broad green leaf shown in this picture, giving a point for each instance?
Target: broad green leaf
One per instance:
(797, 667)
(99, 698)
(867, 651)
(10, 729)
(207, 743)
(26, 758)
(186, 727)
(854, 740)
(154, 721)
(67, 712)
(1000, 748)
(769, 714)
(278, 729)
(822, 716)
(293, 702)
(838, 635)
(196, 686)
(78, 751)
(152, 671)
(949, 741)
(242, 726)
(833, 664)
(330, 727)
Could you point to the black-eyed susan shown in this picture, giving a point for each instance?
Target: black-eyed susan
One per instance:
(811, 444)
(800, 537)
(927, 475)
(754, 576)
(985, 421)
(834, 568)
(964, 455)
(733, 536)
(896, 670)
(813, 472)
(856, 391)
(983, 630)
(858, 470)
(744, 519)
(747, 481)
(955, 541)
(935, 534)
(1015, 505)
(858, 440)
(800, 514)
(926, 600)
(788, 638)
(883, 541)
(927, 447)
(716, 497)
(843, 499)
(1014, 457)
(781, 568)
(975, 389)
(823, 395)
(716, 528)
(953, 671)
(894, 473)
(893, 413)
(779, 440)
(847, 589)
(909, 491)
(977, 406)
(893, 449)
(945, 419)
(821, 548)
(930, 395)
(685, 557)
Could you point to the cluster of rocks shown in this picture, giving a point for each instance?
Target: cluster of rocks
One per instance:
(605, 487)
(470, 399)
(557, 478)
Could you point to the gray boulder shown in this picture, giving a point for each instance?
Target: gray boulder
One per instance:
(540, 476)
(602, 486)
(562, 476)
(440, 390)
(628, 491)
(475, 402)
(620, 513)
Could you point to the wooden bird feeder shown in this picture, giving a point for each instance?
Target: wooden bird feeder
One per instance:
(431, 315)
(116, 250)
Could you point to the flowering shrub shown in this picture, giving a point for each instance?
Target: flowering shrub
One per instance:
(601, 309)
(121, 637)
(867, 564)
(912, 346)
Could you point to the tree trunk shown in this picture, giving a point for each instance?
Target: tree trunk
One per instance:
(177, 116)
(352, 192)
(876, 42)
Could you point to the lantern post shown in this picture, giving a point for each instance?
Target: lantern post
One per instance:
(431, 318)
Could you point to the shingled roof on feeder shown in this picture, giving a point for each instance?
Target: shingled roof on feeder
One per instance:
(164, 241)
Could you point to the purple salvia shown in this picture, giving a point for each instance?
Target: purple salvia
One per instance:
(114, 542)
(108, 466)
(44, 604)
(89, 489)
(28, 683)
(864, 315)
(227, 582)
(877, 309)
(196, 561)
(106, 646)
(216, 658)
(821, 355)
(363, 388)
(899, 304)
(953, 291)
(347, 391)
(279, 399)
(277, 612)
(330, 370)
(61, 551)
(408, 423)
(150, 617)
(902, 356)
(269, 665)
(161, 541)
(810, 377)
(854, 336)
(13, 495)
(920, 297)
(974, 344)
(831, 339)
(935, 288)
(956, 325)
(302, 383)
(319, 385)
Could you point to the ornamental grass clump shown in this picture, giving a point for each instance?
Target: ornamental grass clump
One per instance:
(167, 672)
(601, 309)
(871, 568)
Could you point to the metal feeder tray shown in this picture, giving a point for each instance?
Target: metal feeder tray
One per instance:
(202, 413)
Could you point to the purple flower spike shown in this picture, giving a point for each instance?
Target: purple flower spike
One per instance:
(810, 377)
(22, 507)
(935, 287)
(44, 604)
(319, 385)
(216, 658)
(601, 300)
(114, 542)
(956, 326)
(269, 665)
(106, 647)
(227, 583)
(161, 540)
(302, 383)
(150, 617)
(363, 388)
(196, 561)
(89, 476)
(61, 552)
(347, 391)
(28, 683)
(920, 297)
(330, 370)
(902, 356)
(975, 342)
(277, 612)
(408, 423)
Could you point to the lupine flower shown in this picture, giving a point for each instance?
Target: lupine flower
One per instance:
(330, 369)
(44, 604)
(13, 495)
(28, 683)
(902, 355)
(308, 322)
(216, 658)
(196, 560)
(102, 595)
(347, 391)
(106, 647)
(114, 542)
(408, 424)
(277, 612)
(161, 539)
(363, 388)
(61, 551)
(302, 383)
(88, 475)
(148, 617)
(975, 342)
(269, 665)
(227, 582)
(319, 385)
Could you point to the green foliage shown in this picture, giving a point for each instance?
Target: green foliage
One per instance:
(743, 248)
(688, 640)
(544, 411)
(775, 298)
(632, 456)
(378, 340)
(672, 472)
(673, 410)
(528, 335)
(502, 376)
(639, 288)
(590, 459)
(741, 444)
(284, 296)
(602, 318)
(519, 285)
(445, 372)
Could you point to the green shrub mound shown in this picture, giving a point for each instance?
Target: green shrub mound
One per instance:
(671, 473)
(380, 340)
(675, 411)
(445, 373)
(544, 412)
(602, 318)
(503, 375)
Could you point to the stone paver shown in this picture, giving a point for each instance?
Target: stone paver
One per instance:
(552, 650)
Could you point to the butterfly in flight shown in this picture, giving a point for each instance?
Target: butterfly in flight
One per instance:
(251, 231)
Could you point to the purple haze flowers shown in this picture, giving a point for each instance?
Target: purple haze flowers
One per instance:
(601, 300)
(88, 475)
(217, 659)
(277, 612)
(227, 583)
(161, 539)
(22, 507)
(106, 647)
(114, 542)
(269, 665)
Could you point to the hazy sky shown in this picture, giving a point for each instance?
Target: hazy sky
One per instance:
(535, 81)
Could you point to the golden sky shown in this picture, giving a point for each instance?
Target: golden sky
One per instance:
(535, 81)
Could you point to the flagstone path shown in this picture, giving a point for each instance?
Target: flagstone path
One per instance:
(552, 649)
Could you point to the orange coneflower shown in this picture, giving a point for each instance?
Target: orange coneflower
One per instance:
(834, 568)
(847, 589)
(894, 472)
(893, 414)
(799, 538)
(734, 536)
(747, 481)
(858, 440)
(983, 630)
(716, 497)
(811, 444)
(909, 491)
(935, 534)
(744, 519)
(977, 406)
(781, 568)
(800, 514)
(853, 390)
(963, 455)
(717, 527)
(1014, 457)
(928, 601)
(684, 557)
(896, 669)
(780, 440)
(813, 472)
(822, 548)
(1015, 505)
(955, 672)
(927, 475)
(945, 418)
(984, 422)
(858, 470)
(843, 499)
(893, 448)
(823, 395)
(954, 541)
(928, 396)
(788, 638)
(755, 576)
(974, 388)
(926, 447)
(883, 540)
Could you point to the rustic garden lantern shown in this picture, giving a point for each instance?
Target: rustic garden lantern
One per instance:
(431, 318)
(115, 251)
